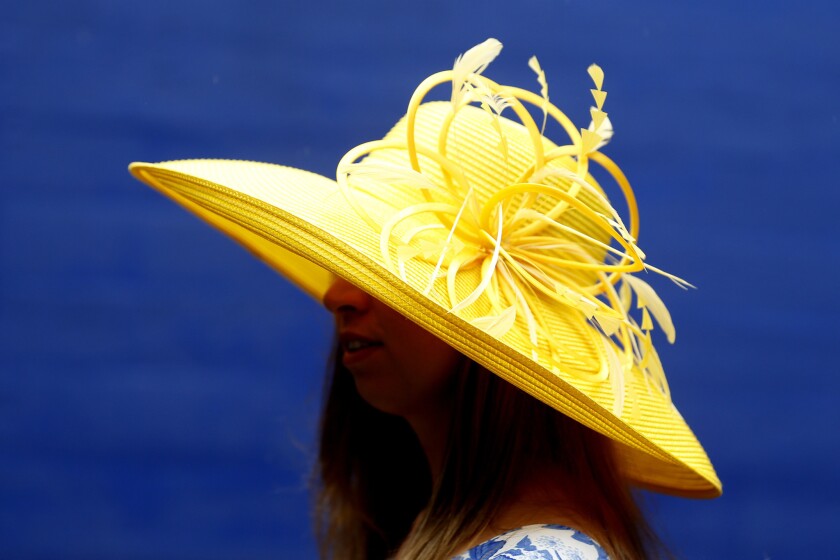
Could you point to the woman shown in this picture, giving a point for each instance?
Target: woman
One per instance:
(490, 457)
(496, 392)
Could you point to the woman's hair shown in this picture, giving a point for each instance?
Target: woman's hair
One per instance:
(374, 483)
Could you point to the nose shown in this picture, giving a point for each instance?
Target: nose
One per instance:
(344, 297)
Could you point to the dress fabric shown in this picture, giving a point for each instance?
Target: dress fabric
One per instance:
(537, 542)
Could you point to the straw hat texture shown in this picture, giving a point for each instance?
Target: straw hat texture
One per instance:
(492, 237)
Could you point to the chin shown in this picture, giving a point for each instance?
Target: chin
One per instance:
(378, 395)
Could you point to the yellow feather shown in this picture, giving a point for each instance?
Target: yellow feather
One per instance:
(497, 325)
(596, 74)
(470, 64)
(652, 302)
(534, 64)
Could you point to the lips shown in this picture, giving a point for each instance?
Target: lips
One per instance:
(357, 347)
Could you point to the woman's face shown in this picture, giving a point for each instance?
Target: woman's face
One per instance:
(398, 367)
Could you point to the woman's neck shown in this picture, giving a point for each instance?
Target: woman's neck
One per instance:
(540, 498)
(431, 428)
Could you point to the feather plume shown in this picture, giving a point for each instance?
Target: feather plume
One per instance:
(449, 237)
(534, 64)
(645, 293)
(625, 294)
(494, 104)
(526, 250)
(597, 75)
(647, 323)
(576, 300)
(497, 325)
(605, 130)
(391, 174)
(497, 245)
(609, 325)
(472, 63)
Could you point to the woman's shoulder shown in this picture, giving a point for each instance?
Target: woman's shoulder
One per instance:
(544, 541)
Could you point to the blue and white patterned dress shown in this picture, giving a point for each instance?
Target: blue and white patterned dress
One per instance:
(537, 542)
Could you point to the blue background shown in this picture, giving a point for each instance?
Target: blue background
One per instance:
(160, 388)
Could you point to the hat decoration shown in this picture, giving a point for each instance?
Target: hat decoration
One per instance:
(526, 251)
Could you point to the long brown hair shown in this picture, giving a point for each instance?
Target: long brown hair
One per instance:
(375, 492)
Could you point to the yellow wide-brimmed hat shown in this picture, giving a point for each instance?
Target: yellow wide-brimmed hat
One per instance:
(490, 236)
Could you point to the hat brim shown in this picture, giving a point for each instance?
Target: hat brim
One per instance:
(288, 218)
